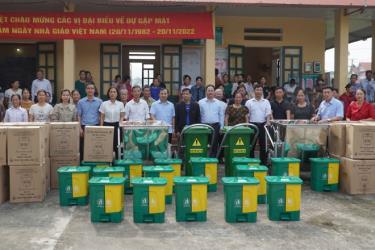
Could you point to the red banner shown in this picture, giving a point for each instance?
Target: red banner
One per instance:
(105, 26)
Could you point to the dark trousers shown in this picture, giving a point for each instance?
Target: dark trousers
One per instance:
(262, 143)
(214, 146)
(115, 135)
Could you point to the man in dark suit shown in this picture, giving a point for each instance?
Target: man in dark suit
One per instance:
(187, 112)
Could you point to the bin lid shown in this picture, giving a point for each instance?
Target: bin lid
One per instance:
(73, 169)
(109, 170)
(239, 181)
(128, 162)
(190, 180)
(94, 164)
(324, 160)
(107, 180)
(158, 169)
(307, 147)
(149, 181)
(241, 130)
(284, 179)
(198, 130)
(284, 160)
(253, 168)
(167, 161)
(245, 160)
(203, 160)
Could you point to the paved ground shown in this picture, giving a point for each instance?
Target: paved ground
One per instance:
(328, 221)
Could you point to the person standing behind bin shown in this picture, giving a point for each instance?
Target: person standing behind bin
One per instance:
(16, 113)
(64, 111)
(41, 111)
(330, 109)
(147, 96)
(236, 113)
(187, 112)
(163, 110)
(137, 109)
(13, 90)
(197, 91)
(88, 112)
(80, 84)
(260, 114)
(76, 96)
(26, 102)
(155, 88)
(302, 110)
(112, 112)
(212, 113)
(40, 83)
(280, 107)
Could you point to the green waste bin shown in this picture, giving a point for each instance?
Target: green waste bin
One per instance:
(149, 199)
(73, 185)
(240, 196)
(244, 161)
(107, 199)
(236, 144)
(196, 143)
(324, 174)
(307, 151)
(92, 165)
(202, 166)
(133, 168)
(191, 198)
(285, 166)
(259, 172)
(164, 172)
(283, 198)
(174, 163)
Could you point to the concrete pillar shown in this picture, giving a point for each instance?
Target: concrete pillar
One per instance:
(209, 55)
(69, 74)
(373, 47)
(341, 49)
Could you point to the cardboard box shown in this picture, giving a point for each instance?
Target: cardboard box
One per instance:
(27, 183)
(25, 145)
(4, 184)
(360, 140)
(357, 176)
(3, 146)
(98, 144)
(64, 138)
(45, 129)
(57, 162)
(337, 138)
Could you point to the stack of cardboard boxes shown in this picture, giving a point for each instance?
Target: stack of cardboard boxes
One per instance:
(64, 147)
(98, 144)
(27, 161)
(354, 145)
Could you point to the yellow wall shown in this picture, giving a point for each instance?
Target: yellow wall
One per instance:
(309, 33)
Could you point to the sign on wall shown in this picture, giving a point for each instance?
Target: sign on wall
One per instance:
(105, 26)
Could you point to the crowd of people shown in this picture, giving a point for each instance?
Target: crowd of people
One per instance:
(225, 103)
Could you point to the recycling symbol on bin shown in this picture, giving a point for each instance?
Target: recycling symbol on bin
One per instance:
(186, 202)
(237, 203)
(144, 202)
(68, 189)
(324, 176)
(280, 201)
(100, 202)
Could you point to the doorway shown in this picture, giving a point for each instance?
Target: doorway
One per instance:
(141, 63)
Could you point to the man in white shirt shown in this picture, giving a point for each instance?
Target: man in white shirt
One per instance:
(41, 83)
(137, 109)
(212, 113)
(260, 114)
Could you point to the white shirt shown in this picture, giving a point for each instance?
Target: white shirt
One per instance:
(183, 86)
(9, 93)
(16, 115)
(112, 110)
(41, 113)
(258, 110)
(137, 111)
(41, 84)
(212, 111)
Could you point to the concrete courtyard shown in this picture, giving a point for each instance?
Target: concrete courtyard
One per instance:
(328, 221)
